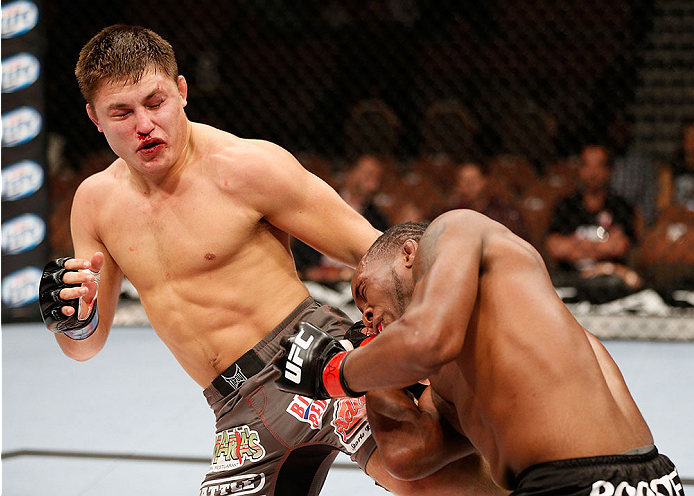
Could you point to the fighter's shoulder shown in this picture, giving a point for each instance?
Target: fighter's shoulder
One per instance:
(454, 222)
(496, 241)
(228, 150)
(466, 228)
(101, 183)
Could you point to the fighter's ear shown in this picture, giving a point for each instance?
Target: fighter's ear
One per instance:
(182, 89)
(92, 115)
(409, 250)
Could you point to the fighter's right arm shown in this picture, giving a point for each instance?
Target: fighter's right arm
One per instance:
(431, 331)
(412, 438)
(84, 227)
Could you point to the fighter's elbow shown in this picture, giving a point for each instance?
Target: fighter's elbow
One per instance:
(79, 351)
(80, 355)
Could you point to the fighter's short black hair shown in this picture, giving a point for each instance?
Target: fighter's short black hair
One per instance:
(394, 237)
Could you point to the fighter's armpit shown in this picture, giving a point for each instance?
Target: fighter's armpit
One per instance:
(430, 399)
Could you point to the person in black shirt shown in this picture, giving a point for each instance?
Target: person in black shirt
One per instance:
(592, 230)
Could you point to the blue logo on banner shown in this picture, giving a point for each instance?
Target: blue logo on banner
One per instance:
(22, 233)
(19, 71)
(18, 18)
(21, 179)
(21, 287)
(20, 125)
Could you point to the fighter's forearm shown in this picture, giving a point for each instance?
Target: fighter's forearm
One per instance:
(391, 361)
(367, 237)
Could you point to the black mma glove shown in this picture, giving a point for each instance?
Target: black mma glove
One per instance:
(51, 304)
(310, 364)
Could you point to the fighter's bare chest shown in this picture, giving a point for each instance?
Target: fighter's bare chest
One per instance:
(190, 233)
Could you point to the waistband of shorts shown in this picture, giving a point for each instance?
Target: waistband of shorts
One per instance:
(632, 456)
(255, 359)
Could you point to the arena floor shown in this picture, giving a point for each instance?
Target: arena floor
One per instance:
(131, 422)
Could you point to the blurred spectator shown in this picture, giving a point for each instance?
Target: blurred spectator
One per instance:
(437, 168)
(539, 198)
(634, 174)
(475, 191)
(666, 254)
(680, 177)
(361, 183)
(514, 171)
(415, 195)
(360, 186)
(409, 212)
(592, 230)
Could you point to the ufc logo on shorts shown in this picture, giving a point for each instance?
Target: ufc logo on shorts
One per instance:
(294, 360)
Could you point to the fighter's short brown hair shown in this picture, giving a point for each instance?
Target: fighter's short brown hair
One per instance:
(122, 53)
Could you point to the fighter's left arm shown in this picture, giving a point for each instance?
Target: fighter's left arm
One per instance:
(306, 207)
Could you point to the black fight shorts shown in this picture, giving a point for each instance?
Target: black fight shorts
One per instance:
(644, 474)
(269, 442)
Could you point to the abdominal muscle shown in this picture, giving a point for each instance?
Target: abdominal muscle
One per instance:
(210, 319)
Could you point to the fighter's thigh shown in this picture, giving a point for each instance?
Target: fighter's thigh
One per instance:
(246, 453)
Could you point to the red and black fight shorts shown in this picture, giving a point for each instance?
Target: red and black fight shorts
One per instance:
(269, 442)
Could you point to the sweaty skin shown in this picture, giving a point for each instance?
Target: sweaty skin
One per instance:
(510, 367)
